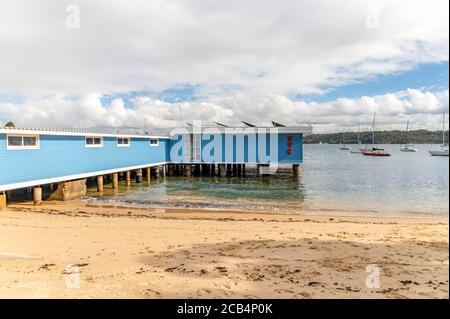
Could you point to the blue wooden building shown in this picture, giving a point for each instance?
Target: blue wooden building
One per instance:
(35, 157)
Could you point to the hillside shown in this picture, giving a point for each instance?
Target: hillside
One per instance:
(381, 137)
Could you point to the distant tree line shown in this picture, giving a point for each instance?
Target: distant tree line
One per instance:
(381, 137)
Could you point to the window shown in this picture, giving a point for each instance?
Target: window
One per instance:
(123, 141)
(23, 142)
(94, 141)
(154, 142)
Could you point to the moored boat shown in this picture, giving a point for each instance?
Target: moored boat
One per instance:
(408, 148)
(444, 149)
(344, 147)
(443, 152)
(360, 149)
(374, 151)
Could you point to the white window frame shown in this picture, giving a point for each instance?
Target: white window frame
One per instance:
(124, 145)
(93, 145)
(154, 139)
(23, 147)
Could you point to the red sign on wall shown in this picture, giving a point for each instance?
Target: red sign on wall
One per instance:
(290, 143)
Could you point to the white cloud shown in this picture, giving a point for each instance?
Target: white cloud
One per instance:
(246, 57)
(263, 46)
(422, 107)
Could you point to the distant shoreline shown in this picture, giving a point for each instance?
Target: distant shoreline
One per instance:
(356, 143)
(381, 137)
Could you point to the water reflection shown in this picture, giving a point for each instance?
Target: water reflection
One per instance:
(330, 179)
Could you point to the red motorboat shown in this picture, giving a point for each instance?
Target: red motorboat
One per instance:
(375, 152)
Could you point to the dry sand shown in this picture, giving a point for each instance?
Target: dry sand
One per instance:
(144, 253)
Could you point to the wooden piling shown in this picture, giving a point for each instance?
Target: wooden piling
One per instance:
(296, 170)
(115, 180)
(187, 170)
(128, 178)
(228, 169)
(139, 175)
(170, 169)
(37, 195)
(156, 171)
(197, 170)
(222, 170)
(100, 183)
(2, 201)
(234, 169)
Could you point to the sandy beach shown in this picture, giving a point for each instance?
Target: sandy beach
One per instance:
(75, 250)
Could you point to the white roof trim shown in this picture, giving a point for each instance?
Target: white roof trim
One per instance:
(74, 133)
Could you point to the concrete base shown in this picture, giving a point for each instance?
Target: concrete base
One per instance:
(2, 201)
(69, 190)
(262, 169)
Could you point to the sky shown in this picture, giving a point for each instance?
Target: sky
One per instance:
(159, 63)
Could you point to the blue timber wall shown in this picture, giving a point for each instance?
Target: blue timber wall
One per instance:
(60, 156)
(290, 148)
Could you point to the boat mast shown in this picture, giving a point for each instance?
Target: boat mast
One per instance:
(359, 140)
(443, 129)
(407, 126)
(373, 129)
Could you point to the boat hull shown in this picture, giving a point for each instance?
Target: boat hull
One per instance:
(370, 153)
(408, 150)
(439, 153)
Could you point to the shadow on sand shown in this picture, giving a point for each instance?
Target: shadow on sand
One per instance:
(301, 269)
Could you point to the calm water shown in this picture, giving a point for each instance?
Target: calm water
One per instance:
(331, 181)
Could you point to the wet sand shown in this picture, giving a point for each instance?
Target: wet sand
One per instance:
(180, 253)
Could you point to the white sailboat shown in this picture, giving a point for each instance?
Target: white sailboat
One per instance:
(408, 148)
(444, 150)
(359, 150)
(344, 147)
